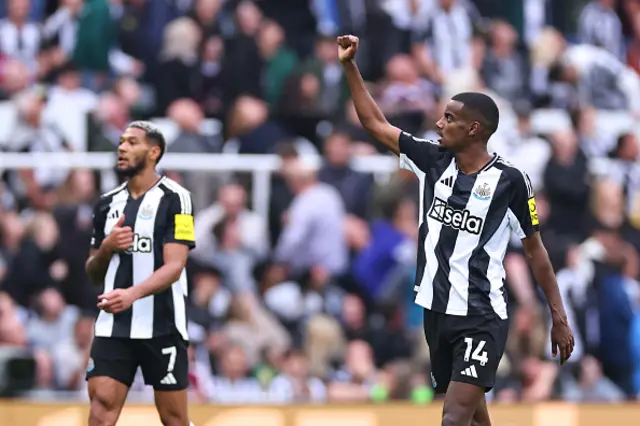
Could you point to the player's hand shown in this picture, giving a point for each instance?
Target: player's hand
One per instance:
(116, 301)
(347, 47)
(562, 339)
(120, 238)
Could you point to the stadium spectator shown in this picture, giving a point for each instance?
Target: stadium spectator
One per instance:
(566, 185)
(20, 37)
(600, 26)
(313, 235)
(504, 69)
(406, 96)
(353, 381)
(279, 61)
(249, 128)
(324, 66)
(209, 80)
(295, 385)
(354, 187)
(231, 205)
(598, 78)
(442, 43)
(389, 252)
(177, 62)
(71, 355)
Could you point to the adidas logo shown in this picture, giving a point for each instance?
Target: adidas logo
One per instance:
(470, 372)
(448, 181)
(169, 379)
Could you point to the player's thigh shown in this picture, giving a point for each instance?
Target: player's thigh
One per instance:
(113, 358)
(461, 402)
(164, 362)
(172, 407)
(111, 370)
(107, 397)
(165, 366)
(481, 414)
(478, 345)
(440, 351)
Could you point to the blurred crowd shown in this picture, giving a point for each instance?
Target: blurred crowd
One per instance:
(313, 301)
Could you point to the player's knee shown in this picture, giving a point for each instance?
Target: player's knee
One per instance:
(480, 419)
(104, 410)
(173, 418)
(451, 419)
(456, 415)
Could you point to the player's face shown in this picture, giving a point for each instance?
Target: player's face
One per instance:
(454, 128)
(133, 152)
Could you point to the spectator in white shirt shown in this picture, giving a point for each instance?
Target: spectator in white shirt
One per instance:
(599, 25)
(313, 236)
(233, 384)
(295, 385)
(232, 203)
(443, 43)
(526, 150)
(19, 38)
(600, 79)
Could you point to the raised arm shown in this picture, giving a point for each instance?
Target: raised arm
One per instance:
(369, 114)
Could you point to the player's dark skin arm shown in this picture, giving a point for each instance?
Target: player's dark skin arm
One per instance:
(537, 256)
(120, 238)
(97, 264)
(370, 116)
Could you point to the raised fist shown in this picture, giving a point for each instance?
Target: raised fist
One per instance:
(347, 47)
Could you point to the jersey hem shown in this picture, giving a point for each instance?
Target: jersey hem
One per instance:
(177, 333)
(459, 313)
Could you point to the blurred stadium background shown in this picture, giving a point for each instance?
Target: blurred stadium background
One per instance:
(241, 89)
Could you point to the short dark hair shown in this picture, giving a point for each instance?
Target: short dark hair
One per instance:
(615, 151)
(556, 72)
(152, 133)
(481, 105)
(286, 149)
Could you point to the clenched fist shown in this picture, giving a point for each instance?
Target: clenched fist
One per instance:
(347, 47)
(120, 238)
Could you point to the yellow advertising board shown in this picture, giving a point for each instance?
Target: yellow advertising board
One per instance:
(17, 413)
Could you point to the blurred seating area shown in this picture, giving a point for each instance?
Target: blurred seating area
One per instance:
(312, 300)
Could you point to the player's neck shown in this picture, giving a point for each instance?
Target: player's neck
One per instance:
(142, 182)
(472, 161)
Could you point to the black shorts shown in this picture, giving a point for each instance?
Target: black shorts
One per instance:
(163, 360)
(464, 349)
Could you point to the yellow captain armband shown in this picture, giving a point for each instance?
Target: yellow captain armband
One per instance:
(184, 229)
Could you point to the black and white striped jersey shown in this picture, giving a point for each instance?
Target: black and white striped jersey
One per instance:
(164, 214)
(466, 222)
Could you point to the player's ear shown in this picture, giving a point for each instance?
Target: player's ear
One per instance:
(474, 128)
(154, 153)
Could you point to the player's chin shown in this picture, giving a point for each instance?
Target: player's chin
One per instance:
(444, 143)
(125, 170)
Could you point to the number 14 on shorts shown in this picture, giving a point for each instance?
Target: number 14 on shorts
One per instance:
(477, 354)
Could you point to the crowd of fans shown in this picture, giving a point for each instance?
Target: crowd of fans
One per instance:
(314, 302)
